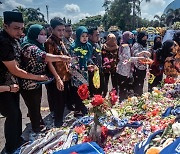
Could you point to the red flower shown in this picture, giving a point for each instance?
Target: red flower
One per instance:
(83, 91)
(104, 132)
(97, 100)
(113, 96)
(169, 80)
(86, 139)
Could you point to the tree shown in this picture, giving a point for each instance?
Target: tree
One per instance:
(35, 15)
(161, 19)
(172, 16)
(91, 21)
(64, 19)
(119, 15)
(106, 4)
(136, 10)
(1, 22)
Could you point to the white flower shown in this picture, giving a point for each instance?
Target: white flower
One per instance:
(176, 129)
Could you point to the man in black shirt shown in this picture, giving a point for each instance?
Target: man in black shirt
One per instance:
(9, 70)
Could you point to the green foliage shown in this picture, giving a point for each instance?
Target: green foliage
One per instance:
(1, 22)
(92, 21)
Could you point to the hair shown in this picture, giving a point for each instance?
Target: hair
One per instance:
(91, 30)
(56, 21)
(68, 25)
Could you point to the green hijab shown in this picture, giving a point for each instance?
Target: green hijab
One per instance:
(32, 36)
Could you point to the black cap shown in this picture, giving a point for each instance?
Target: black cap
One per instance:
(11, 16)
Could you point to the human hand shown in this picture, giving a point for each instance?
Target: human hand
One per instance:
(65, 58)
(41, 78)
(60, 85)
(13, 88)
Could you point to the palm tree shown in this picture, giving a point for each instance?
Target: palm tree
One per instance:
(136, 9)
(35, 15)
(161, 19)
(172, 16)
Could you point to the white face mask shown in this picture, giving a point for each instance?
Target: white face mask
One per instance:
(42, 38)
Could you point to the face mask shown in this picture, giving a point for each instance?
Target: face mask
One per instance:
(130, 41)
(42, 39)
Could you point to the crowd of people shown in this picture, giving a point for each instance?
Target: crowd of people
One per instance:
(63, 63)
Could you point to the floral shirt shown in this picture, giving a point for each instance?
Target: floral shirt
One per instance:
(81, 57)
(124, 69)
(32, 60)
(137, 48)
(109, 60)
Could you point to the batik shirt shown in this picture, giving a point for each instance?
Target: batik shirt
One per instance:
(137, 48)
(32, 60)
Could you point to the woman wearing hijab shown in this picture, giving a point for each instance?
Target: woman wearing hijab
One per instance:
(33, 59)
(109, 61)
(124, 67)
(155, 66)
(81, 52)
(139, 49)
(169, 58)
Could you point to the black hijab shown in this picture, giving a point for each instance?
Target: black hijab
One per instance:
(166, 51)
(158, 44)
(139, 38)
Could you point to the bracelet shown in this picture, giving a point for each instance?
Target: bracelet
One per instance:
(9, 88)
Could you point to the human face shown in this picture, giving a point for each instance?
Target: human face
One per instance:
(14, 29)
(158, 39)
(94, 37)
(58, 31)
(84, 38)
(42, 37)
(68, 32)
(144, 38)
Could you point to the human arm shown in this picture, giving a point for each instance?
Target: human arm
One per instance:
(15, 70)
(54, 58)
(10, 88)
(59, 82)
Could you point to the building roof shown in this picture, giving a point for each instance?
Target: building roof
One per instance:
(173, 5)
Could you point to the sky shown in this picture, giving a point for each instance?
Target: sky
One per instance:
(78, 9)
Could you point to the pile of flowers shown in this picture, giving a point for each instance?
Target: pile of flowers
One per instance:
(142, 116)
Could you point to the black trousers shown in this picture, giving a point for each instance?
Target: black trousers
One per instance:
(123, 86)
(59, 104)
(32, 99)
(94, 91)
(139, 76)
(9, 107)
(106, 81)
(49, 88)
(67, 94)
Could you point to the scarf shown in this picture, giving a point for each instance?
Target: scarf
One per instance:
(32, 35)
(111, 43)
